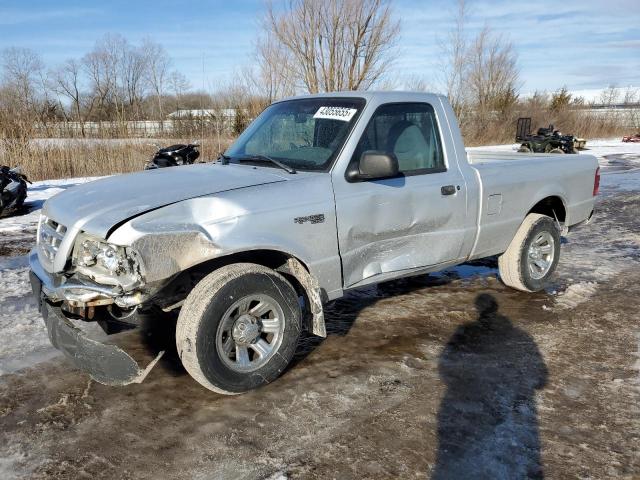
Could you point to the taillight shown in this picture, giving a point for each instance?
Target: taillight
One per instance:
(596, 182)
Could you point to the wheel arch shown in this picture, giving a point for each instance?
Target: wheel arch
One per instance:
(552, 206)
(295, 270)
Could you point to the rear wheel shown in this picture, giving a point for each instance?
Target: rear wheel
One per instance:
(556, 150)
(239, 328)
(533, 254)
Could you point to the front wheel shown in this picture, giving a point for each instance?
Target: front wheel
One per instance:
(239, 328)
(532, 255)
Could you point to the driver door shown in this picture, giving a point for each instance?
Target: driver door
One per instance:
(415, 220)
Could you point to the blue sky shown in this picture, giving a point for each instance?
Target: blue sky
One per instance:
(578, 43)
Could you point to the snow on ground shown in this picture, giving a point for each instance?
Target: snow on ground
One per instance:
(619, 163)
(23, 338)
(37, 194)
(575, 294)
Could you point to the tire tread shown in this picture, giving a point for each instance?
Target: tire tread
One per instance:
(192, 314)
(509, 261)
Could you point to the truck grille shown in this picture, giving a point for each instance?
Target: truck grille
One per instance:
(50, 236)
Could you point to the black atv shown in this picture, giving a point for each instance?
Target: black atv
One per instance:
(546, 140)
(173, 156)
(13, 189)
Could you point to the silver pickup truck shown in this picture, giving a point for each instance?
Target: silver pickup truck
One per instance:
(320, 194)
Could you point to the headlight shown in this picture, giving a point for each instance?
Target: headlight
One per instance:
(95, 252)
(106, 263)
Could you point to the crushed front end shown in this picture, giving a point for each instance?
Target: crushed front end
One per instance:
(77, 278)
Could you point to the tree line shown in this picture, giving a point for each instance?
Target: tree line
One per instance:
(302, 46)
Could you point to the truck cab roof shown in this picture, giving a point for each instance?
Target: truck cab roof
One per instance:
(380, 96)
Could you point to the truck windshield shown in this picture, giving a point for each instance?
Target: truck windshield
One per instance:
(305, 134)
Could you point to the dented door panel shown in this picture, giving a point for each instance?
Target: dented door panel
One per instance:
(399, 224)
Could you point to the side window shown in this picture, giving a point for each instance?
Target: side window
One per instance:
(408, 130)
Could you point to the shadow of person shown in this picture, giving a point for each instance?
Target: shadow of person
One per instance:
(487, 422)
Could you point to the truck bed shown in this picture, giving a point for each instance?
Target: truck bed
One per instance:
(507, 179)
(479, 157)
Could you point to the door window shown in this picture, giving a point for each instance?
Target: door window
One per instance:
(410, 132)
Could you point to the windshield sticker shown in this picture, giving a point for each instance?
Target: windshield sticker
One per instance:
(336, 113)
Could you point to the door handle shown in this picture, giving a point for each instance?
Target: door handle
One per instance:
(448, 189)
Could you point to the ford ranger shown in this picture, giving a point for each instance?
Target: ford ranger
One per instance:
(320, 194)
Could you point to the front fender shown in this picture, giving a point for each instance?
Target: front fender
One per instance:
(296, 218)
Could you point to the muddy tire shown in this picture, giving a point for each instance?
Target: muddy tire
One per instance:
(556, 151)
(524, 149)
(532, 255)
(238, 328)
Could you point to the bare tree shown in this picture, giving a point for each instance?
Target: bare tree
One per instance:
(133, 67)
(334, 44)
(21, 72)
(21, 99)
(492, 80)
(117, 72)
(101, 66)
(454, 57)
(609, 96)
(632, 99)
(67, 81)
(273, 77)
(158, 64)
(178, 85)
(416, 83)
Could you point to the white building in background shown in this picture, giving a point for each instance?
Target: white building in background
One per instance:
(206, 113)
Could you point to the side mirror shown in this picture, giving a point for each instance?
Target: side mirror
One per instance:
(373, 165)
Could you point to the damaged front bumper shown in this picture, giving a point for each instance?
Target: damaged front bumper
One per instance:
(105, 363)
(78, 292)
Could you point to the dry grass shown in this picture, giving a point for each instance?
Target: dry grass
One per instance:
(44, 159)
(573, 122)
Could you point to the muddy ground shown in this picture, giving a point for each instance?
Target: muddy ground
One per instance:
(443, 376)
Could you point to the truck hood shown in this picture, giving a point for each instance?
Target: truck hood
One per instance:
(96, 207)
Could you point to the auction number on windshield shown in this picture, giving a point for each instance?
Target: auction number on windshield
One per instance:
(336, 113)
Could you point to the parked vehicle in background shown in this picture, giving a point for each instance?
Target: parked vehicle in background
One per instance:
(631, 138)
(13, 189)
(173, 156)
(546, 140)
(319, 195)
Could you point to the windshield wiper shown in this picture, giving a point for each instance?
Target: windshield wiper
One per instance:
(264, 158)
(224, 158)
